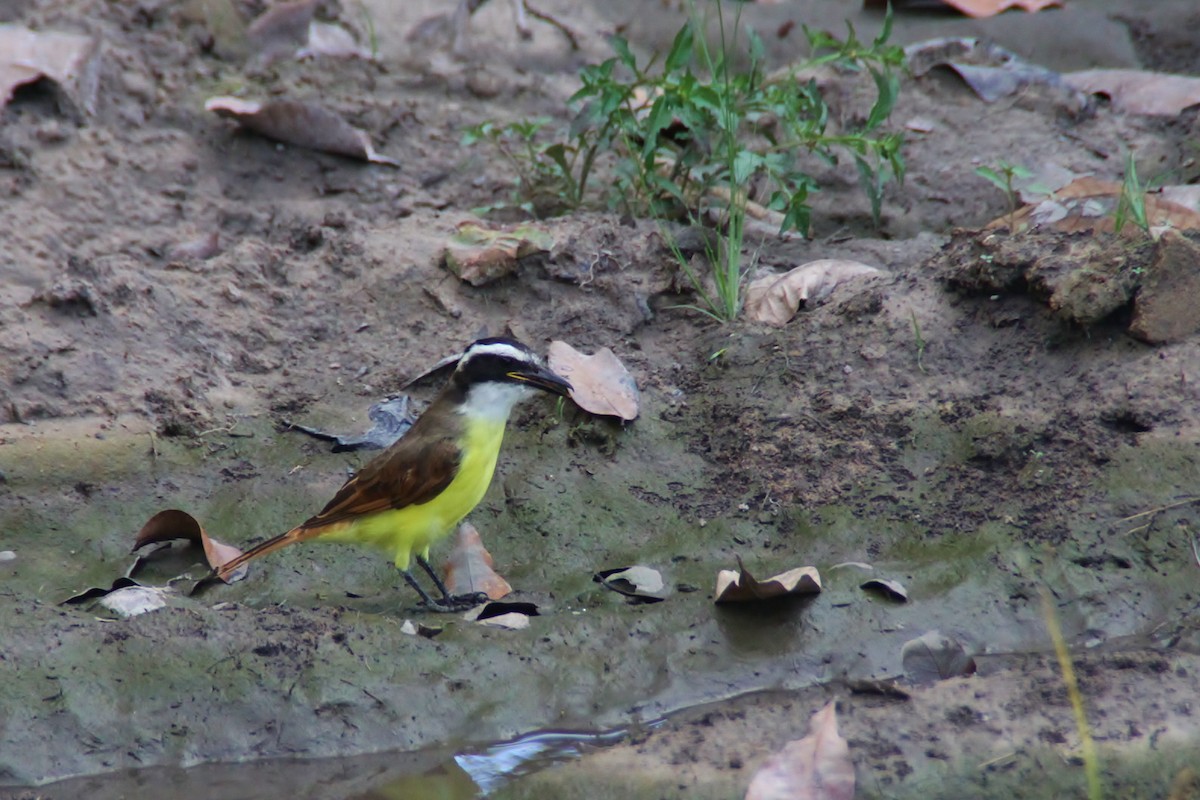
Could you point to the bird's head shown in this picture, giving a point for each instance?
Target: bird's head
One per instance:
(497, 373)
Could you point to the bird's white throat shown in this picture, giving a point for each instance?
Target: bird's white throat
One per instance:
(493, 400)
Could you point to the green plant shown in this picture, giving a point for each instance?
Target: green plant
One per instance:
(1003, 176)
(546, 176)
(698, 130)
(1131, 203)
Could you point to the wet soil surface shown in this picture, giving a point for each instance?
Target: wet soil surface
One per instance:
(977, 424)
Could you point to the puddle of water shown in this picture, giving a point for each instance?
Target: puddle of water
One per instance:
(439, 774)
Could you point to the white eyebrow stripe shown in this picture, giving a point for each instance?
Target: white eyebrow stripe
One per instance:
(498, 349)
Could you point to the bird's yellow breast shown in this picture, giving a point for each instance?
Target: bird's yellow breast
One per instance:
(404, 531)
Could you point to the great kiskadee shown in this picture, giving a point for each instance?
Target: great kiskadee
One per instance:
(419, 489)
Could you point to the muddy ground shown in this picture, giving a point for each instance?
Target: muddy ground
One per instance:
(994, 455)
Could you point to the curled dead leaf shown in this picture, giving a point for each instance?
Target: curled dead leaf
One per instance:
(775, 299)
(301, 124)
(478, 254)
(70, 60)
(174, 524)
(972, 8)
(935, 656)
(600, 383)
(1138, 91)
(817, 767)
(892, 590)
(469, 570)
(639, 582)
(131, 601)
(513, 616)
(739, 586)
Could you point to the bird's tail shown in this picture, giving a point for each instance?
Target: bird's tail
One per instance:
(269, 546)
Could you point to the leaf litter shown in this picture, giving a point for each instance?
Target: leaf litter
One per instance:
(739, 586)
(468, 570)
(479, 254)
(172, 524)
(935, 656)
(301, 123)
(817, 767)
(70, 60)
(391, 419)
(600, 383)
(641, 583)
(775, 299)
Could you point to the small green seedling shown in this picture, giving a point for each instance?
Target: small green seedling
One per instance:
(1131, 204)
(1003, 176)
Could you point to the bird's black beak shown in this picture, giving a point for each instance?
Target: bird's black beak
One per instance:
(542, 378)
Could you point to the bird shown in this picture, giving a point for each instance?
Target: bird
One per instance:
(416, 491)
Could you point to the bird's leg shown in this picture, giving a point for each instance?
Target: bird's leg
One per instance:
(430, 603)
(459, 601)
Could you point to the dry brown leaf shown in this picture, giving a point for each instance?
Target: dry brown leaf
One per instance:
(469, 568)
(935, 656)
(892, 590)
(478, 254)
(972, 8)
(817, 767)
(990, 8)
(69, 59)
(334, 41)
(1138, 91)
(639, 582)
(280, 30)
(1088, 204)
(173, 524)
(600, 384)
(739, 586)
(775, 299)
(301, 124)
(514, 616)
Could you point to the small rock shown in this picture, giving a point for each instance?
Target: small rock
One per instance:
(1165, 309)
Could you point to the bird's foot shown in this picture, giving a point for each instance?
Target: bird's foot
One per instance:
(455, 604)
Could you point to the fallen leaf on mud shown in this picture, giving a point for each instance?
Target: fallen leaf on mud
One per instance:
(70, 60)
(600, 384)
(391, 419)
(739, 586)
(281, 30)
(410, 628)
(513, 616)
(325, 39)
(890, 589)
(775, 299)
(991, 71)
(173, 524)
(1089, 204)
(1138, 91)
(935, 657)
(469, 568)
(639, 582)
(817, 767)
(478, 254)
(978, 9)
(98, 591)
(301, 124)
(130, 601)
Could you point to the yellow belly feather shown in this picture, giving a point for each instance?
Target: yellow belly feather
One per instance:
(413, 529)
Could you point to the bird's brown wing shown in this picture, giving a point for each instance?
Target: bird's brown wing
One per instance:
(410, 472)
